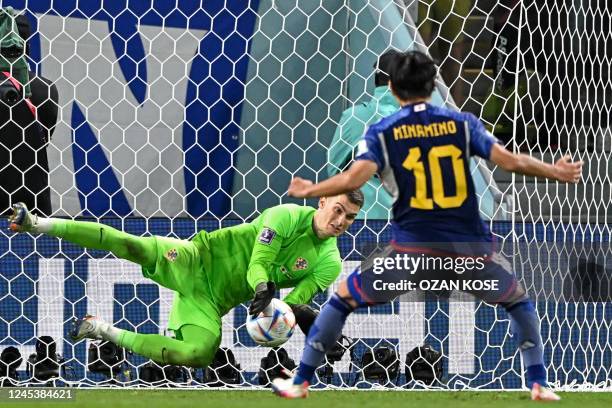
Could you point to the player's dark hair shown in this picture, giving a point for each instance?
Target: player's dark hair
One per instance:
(413, 75)
(383, 66)
(356, 197)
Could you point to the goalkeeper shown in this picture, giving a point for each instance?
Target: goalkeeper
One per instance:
(286, 246)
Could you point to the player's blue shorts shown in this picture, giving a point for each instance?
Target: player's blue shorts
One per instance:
(437, 269)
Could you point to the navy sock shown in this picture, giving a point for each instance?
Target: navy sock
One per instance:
(322, 336)
(525, 325)
(536, 374)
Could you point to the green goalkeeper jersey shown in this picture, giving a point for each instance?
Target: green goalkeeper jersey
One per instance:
(279, 246)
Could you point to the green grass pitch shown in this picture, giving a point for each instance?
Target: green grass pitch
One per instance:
(116, 398)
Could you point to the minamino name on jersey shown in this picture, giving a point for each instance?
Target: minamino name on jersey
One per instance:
(432, 130)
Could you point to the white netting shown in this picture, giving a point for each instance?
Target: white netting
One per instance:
(174, 117)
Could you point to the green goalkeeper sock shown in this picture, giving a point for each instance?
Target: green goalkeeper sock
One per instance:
(141, 250)
(165, 350)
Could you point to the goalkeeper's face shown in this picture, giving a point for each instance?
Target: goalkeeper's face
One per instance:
(334, 216)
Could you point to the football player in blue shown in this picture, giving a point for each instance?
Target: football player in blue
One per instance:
(422, 155)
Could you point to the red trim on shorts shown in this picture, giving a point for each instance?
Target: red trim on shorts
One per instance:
(361, 294)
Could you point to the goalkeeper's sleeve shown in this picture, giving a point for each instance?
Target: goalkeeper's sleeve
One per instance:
(323, 275)
(262, 257)
(277, 225)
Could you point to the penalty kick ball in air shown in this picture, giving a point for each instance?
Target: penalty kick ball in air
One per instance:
(272, 327)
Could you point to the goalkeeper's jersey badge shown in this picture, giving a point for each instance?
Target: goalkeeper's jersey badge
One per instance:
(300, 264)
(171, 255)
(266, 236)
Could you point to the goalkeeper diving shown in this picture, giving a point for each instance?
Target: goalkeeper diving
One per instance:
(287, 246)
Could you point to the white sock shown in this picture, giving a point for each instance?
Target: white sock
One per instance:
(113, 334)
(43, 225)
(109, 332)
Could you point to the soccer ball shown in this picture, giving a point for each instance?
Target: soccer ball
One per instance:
(273, 326)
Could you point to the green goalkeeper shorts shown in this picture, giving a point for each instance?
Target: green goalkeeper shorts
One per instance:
(179, 267)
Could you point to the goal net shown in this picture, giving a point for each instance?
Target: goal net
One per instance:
(176, 117)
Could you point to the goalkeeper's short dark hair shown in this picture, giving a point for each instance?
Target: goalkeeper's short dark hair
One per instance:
(356, 197)
(413, 75)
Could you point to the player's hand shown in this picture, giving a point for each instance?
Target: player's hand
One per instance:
(299, 187)
(567, 171)
(264, 293)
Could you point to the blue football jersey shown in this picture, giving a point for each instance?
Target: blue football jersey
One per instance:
(422, 153)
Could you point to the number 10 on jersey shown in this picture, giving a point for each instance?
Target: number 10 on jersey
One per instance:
(414, 163)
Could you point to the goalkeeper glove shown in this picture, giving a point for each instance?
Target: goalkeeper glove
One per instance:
(264, 293)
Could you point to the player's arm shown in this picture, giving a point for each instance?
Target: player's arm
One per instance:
(563, 170)
(369, 160)
(352, 179)
(483, 144)
(277, 225)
